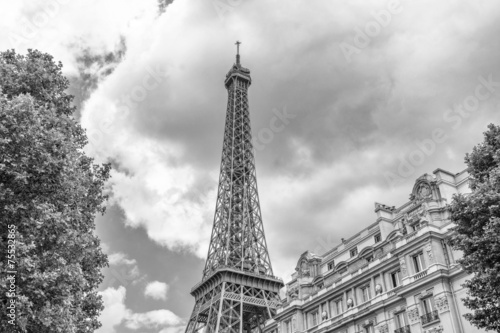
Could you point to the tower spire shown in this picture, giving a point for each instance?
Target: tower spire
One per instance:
(238, 291)
(238, 52)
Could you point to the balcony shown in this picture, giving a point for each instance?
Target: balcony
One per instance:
(429, 317)
(393, 291)
(404, 329)
(420, 275)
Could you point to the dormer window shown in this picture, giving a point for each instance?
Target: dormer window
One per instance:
(331, 265)
(377, 238)
(353, 252)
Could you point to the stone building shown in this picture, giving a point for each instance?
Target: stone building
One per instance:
(399, 274)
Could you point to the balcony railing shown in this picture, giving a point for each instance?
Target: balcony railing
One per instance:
(404, 329)
(428, 317)
(411, 235)
(420, 275)
(393, 291)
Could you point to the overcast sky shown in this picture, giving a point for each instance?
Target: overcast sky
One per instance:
(350, 102)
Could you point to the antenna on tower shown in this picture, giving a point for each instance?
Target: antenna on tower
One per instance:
(238, 52)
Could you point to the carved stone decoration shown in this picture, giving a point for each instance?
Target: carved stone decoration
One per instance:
(436, 329)
(383, 328)
(350, 303)
(369, 321)
(402, 263)
(398, 309)
(304, 269)
(324, 315)
(413, 315)
(424, 191)
(423, 211)
(430, 254)
(442, 304)
(385, 207)
(378, 289)
(426, 293)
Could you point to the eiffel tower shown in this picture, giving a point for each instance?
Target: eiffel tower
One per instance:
(238, 291)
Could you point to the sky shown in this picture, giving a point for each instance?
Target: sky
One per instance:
(350, 102)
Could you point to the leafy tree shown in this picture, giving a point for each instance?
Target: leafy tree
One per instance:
(50, 192)
(477, 232)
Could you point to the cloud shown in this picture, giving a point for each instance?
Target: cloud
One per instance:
(353, 121)
(114, 309)
(115, 313)
(156, 290)
(153, 319)
(178, 329)
(62, 27)
(122, 270)
(119, 258)
(159, 115)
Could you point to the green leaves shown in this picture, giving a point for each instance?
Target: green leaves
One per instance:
(51, 192)
(477, 220)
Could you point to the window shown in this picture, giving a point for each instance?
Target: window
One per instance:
(427, 305)
(418, 262)
(288, 326)
(377, 238)
(428, 309)
(369, 258)
(314, 318)
(335, 307)
(365, 293)
(331, 265)
(369, 329)
(396, 279)
(338, 307)
(354, 252)
(400, 319)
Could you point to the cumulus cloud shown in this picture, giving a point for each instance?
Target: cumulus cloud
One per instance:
(114, 309)
(62, 27)
(178, 329)
(120, 258)
(156, 290)
(115, 313)
(153, 319)
(159, 115)
(123, 271)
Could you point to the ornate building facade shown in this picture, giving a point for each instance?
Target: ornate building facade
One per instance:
(397, 275)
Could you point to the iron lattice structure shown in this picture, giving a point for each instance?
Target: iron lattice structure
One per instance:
(238, 291)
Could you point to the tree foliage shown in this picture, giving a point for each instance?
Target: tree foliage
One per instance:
(477, 232)
(50, 191)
